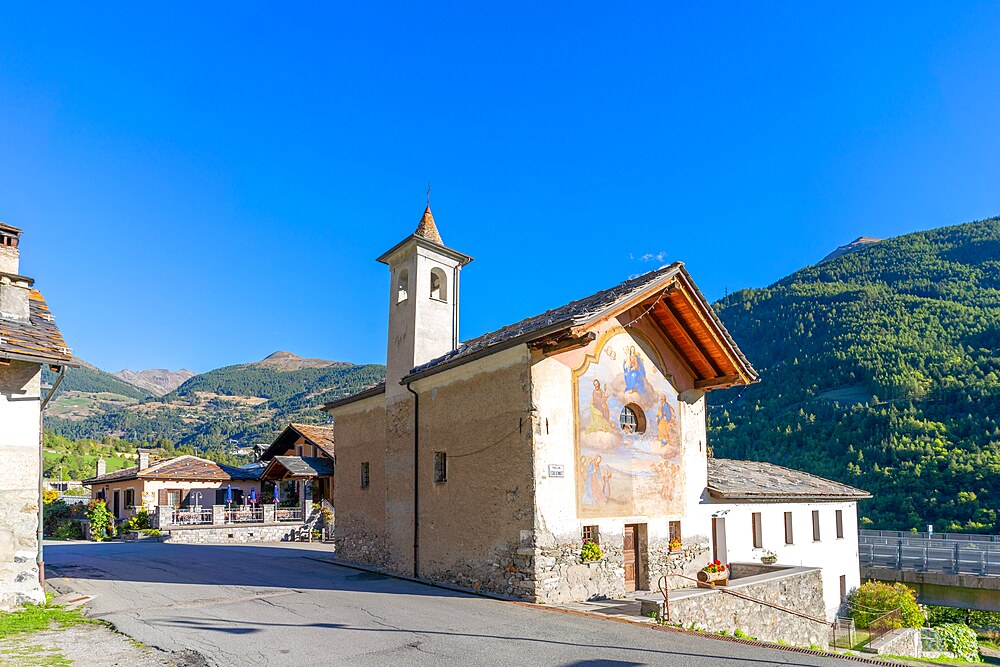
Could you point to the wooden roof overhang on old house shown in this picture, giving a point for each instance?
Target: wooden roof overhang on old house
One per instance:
(321, 437)
(297, 467)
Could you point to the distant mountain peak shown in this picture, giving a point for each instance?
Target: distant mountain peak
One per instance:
(283, 360)
(856, 244)
(157, 381)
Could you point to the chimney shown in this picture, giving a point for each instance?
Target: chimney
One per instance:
(9, 254)
(102, 467)
(143, 459)
(14, 288)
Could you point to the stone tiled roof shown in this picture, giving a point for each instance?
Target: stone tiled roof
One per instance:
(38, 338)
(320, 436)
(427, 228)
(185, 467)
(573, 313)
(729, 479)
(300, 466)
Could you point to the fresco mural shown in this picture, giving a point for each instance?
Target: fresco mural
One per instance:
(629, 433)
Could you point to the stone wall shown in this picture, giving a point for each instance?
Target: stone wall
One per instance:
(904, 641)
(797, 588)
(234, 534)
(559, 576)
(19, 404)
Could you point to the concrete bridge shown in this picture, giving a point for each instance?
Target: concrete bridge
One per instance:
(949, 569)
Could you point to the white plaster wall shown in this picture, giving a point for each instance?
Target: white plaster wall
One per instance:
(836, 556)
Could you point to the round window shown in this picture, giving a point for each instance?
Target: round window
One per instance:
(632, 420)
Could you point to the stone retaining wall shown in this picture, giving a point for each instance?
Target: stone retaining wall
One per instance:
(797, 588)
(904, 641)
(238, 534)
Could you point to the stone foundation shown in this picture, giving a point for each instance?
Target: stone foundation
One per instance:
(234, 534)
(796, 588)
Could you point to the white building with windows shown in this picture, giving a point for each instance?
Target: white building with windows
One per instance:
(757, 509)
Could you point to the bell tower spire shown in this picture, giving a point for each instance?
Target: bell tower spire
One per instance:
(423, 300)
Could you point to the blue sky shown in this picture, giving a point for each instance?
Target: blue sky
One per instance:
(202, 184)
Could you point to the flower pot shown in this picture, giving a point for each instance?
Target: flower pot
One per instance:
(674, 549)
(769, 560)
(707, 579)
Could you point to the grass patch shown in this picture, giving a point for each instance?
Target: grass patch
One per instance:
(37, 617)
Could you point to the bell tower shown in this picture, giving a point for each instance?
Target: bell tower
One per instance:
(423, 301)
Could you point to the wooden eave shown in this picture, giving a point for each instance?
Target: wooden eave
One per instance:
(682, 316)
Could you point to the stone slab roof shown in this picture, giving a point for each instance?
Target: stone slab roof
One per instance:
(299, 466)
(320, 436)
(38, 338)
(729, 479)
(192, 468)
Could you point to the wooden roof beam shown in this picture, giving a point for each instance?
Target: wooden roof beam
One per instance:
(695, 375)
(670, 308)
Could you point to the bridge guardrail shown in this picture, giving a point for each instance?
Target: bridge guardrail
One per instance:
(930, 555)
(949, 537)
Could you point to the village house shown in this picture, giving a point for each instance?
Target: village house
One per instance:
(183, 481)
(488, 463)
(29, 342)
(302, 456)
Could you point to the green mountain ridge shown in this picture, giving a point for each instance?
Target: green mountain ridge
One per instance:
(880, 368)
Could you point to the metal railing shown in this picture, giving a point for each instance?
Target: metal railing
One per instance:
(930, 555)
(243, 514)
(884, 624)
(189, 516)
(288, 514)
(947, 537)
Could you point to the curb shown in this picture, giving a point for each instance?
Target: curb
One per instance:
(603, 617)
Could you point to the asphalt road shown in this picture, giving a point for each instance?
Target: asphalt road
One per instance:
(278, 605)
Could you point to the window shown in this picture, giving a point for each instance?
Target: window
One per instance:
(402, 286)
(843, 587)
(674, 530)
(840, 524)
(440, 467)
(632, 419)
(129, 497)
(174, 497)
(591, 534)
(788, 529)
(364, 475)
(758, 533)
(815, 525)
(439, 285)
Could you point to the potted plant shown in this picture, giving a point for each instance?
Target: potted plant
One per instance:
(591, 551)
(674, 544)
(769, 557)
(713, 574)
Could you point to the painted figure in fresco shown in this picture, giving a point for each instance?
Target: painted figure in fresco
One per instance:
(596, 482)
(635, 372)
(664, 415)
(600, 415)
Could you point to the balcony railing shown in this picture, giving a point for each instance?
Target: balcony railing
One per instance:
(288, 514)
(191, 516)
(248, 514)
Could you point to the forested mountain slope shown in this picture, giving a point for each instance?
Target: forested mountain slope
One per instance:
(880, 368)
(242, 404)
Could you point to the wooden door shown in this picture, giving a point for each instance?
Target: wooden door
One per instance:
(630, 558)
(116, 508)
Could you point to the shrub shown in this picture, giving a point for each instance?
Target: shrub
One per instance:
(591, 551)
(961, 640)
(874, 598)
(102, 522)
(137, 522)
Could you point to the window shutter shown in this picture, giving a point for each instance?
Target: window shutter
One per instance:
(161, 497)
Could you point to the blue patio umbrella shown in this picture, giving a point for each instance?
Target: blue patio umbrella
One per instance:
(253, 496)
(229, 494)
(276, 499)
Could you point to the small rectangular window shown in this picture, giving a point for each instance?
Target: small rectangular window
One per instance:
(129, 497)
(364, 475)
(789, 538)
(840, 524)
(674, 530)
(440, 467)
(591, 534)
(758, 533)
(815, 525)
(843, 587)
